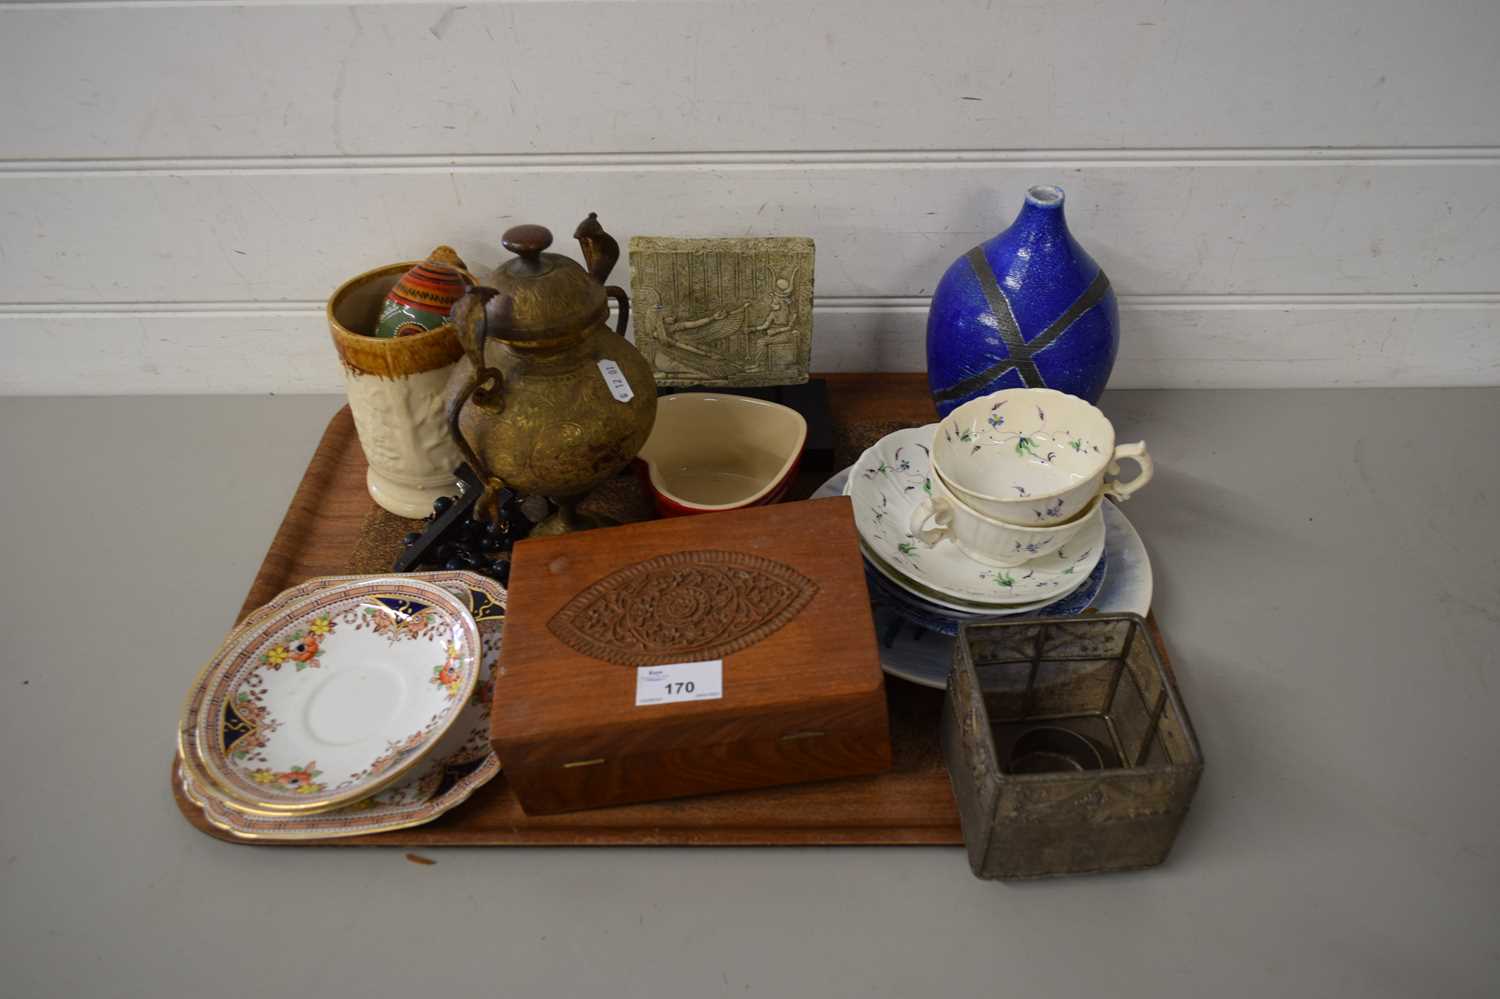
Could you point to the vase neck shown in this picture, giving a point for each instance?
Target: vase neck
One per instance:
(1043, 210)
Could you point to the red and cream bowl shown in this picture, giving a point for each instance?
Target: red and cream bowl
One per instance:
(709, 452)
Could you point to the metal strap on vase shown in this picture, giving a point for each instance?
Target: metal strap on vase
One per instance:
(1020, 352)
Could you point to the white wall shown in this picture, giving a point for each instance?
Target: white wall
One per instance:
(1283, 192)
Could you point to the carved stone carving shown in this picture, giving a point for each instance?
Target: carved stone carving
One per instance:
(724, 311)
(683, 607)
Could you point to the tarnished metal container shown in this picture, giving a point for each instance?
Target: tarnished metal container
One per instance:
(1108, 791)
(548, 400)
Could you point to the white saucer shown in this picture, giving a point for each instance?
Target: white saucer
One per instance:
(457, 766)
(892, 478)
(337, 694)
(923, 657)
(925, 595)
(961, 607)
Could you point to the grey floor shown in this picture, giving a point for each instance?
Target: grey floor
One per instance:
(1328, 579)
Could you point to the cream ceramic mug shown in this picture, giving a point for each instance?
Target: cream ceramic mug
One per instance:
(397, 394)
(985, 539)
(1032, 456)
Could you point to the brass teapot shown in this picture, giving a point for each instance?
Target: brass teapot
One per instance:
(548, 400)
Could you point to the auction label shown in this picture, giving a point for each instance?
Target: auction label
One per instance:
(676, 682)
(619, 385)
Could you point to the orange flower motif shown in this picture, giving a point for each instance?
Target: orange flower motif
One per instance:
(297, 779)
(300, 779)
(302, 649)
(447, 676)
(416, 624)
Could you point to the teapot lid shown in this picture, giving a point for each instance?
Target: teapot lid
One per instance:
(551, 294)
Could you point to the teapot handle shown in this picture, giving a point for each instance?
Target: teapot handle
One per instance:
(471, 318)
(622, 300)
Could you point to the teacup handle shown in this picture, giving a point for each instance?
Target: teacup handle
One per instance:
(939, 512)
(1122, 491)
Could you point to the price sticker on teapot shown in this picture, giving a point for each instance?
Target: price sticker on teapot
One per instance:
(619, 386)
(675, 683)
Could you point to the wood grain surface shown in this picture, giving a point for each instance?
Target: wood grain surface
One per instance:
(909, 804)
(802, 696)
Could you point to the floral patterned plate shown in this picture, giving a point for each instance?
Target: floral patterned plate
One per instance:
(923, 657)
(460, 764)
(336, 694)
(363, 818)
(923, 595)
(963, 608)
(895, 475)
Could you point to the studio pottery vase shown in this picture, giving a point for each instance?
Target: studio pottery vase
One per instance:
(1027, 309)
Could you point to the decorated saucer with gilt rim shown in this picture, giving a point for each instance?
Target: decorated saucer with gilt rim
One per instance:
(458, 765)
(336, 694)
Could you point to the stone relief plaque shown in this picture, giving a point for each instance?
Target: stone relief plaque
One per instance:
(734, 312)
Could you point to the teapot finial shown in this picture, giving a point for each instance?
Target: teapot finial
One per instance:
(527, 242)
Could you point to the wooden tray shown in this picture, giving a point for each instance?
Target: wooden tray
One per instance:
(909, 804)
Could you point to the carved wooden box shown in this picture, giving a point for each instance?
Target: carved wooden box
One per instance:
(775, 594)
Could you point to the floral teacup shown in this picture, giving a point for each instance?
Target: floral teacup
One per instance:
(1032, 456)
(985, 539)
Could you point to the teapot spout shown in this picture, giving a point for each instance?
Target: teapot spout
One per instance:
(479, 313)
(600, 251)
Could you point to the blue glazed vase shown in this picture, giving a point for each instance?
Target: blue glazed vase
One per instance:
(1027, 309)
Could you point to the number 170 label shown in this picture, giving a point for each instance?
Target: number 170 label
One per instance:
(678, 682)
